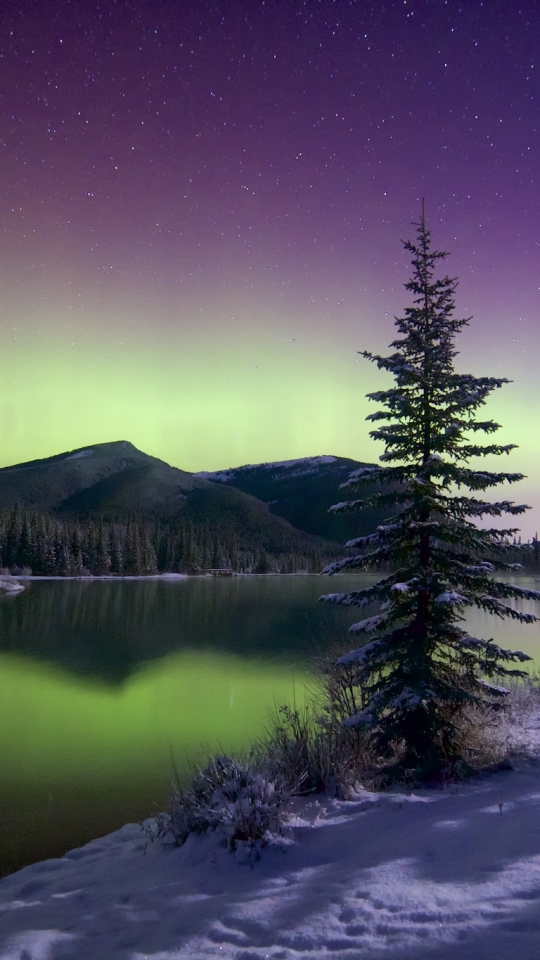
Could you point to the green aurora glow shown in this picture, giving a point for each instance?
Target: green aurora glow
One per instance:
(186, 702)
(214, 402)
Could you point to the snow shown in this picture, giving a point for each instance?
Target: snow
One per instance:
(360, 474)
(451, 597)
(429, 874)
(305, 465)
(10, 586)
(363, 653)
(503, 691)
(79, 455)
(369, 624)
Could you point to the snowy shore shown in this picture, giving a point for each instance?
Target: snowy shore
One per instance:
(440, 874)
(109, 578)
(9, 585)
(12, 584)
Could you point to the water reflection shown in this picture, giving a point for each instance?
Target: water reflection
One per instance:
(98, 681)
(107, 629)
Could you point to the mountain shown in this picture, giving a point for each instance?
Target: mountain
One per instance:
(301, 491)
(113, 478)
(113, 481)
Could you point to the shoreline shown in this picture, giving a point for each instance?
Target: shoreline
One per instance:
(10, 584)
(9, 581)
(104, 576)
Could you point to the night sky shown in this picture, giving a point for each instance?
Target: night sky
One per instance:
(201, 212)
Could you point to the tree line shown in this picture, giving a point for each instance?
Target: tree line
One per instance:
(49, 546)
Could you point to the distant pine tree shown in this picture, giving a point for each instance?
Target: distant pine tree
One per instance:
(148, 557)
(12, 537)
(114, 551)
(132, 550)
(63, 559)
(422, 669)
(24, 547)
(45, 552)
(77, 562)
(103, 558)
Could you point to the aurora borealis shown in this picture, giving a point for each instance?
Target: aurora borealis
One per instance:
(202, 206)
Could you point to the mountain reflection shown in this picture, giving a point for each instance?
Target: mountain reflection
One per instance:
(108, 629)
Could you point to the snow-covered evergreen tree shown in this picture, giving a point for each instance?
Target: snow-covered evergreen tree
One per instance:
(419, 669)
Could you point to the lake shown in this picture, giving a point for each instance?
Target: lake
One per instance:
(103, 683)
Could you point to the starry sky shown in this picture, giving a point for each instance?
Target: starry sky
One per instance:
(202, 204)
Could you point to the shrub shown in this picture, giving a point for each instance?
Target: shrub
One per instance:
(308, 749)
(228, 796)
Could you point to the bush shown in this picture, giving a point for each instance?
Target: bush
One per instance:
(308, 750)
(228, 796)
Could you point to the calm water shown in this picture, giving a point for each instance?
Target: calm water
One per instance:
(100, 681)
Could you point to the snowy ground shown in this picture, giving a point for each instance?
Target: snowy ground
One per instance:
(450, 874)
(10, 586)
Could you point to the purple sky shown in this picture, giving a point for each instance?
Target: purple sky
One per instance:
(202, 207)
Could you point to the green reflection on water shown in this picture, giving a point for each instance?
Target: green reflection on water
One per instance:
(64, 728)
(81, 757)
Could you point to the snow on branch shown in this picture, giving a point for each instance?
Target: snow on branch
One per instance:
(363, 719)
(493, 649)
(361, 474)
(483, 567)
(360, 542)
(346, 506)
(338, 565)
(494, 605)
(456, 599)
(369, 624)
(406, 699)
(493, 688)
(345, 599)
(364, 653)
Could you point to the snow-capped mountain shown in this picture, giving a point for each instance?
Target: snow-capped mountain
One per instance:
(301, 491)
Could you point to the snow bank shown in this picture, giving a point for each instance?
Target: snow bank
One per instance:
(449, 874)
(10, 586)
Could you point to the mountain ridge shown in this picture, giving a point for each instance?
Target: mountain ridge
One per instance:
(115, 479)
(282, 485)
(115, 483)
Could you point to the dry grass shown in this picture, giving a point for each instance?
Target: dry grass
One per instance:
(311, 751)
(307, 749)
(524, 699)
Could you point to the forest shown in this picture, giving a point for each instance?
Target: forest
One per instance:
(41, 544)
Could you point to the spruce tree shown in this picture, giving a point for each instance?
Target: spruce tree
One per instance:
(419, 670)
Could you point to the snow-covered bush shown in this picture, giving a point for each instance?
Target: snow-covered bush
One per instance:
(228, 796)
